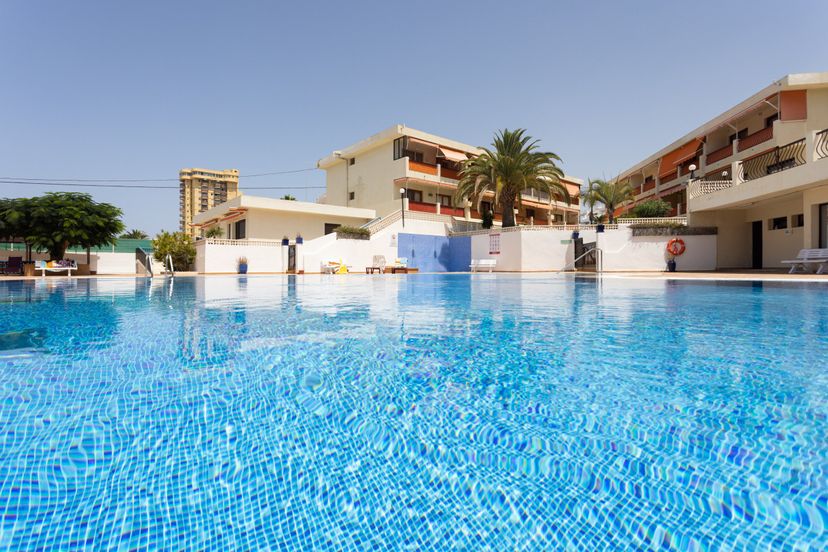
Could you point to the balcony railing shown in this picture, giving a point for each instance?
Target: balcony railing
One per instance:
(648, 185)
(432, 208)
(719, 154)
(698, 188)
(428, 168)
(821, 144)
(669, 177)
(778, 159)
(756, 138)
(422, 167)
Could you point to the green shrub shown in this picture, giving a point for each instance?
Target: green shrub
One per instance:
(654, 208)
(214, 232)
(178, 245)
(352, 232)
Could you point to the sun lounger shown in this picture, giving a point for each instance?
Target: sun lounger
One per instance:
(808, 257)
(482, 264)
(55, 266)
(335, 267)
(377, 265)
(14, 266)
(400, 265)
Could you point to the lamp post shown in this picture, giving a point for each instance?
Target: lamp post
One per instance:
(402, 205)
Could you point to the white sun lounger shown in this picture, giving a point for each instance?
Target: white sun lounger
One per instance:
(808, 257)
(43, 267)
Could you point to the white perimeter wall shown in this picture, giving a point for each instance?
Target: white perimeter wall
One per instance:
(625, 252)
(527, 250)
(263, 257)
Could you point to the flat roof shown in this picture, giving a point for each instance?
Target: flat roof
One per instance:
(246, 202)
(794, 81)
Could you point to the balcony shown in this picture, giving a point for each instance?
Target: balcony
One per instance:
(778, 159)
(432, 208)
(755, 139)
(648, 185)
(719, 154)
(427, 168)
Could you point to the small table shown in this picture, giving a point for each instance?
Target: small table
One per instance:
(395, 269)
(372, 269)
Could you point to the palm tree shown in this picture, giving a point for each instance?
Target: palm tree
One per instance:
(514, 165)
(288, 197)
(611, 194)
(590, 198)
(214, 232)
(134, 235)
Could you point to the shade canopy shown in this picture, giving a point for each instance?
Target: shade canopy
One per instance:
(677, 156)
(451, 155)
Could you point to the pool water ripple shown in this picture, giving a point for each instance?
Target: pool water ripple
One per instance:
(422, 412)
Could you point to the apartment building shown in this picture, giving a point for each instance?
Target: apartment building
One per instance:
(369, 174)
(202, 189)
(757, 172)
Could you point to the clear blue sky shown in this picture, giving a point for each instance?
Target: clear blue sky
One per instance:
(142, 89)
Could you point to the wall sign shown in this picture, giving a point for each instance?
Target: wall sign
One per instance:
(494, 244)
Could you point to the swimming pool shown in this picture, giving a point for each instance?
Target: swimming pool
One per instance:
(413, 412)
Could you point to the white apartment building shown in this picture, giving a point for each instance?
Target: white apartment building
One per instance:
(370, 173)
(761, 174)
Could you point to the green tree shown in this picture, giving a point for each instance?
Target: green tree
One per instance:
(513, 165)
(652, 208)
(590, 199)
(60, 220)
(16, 221)
(611, 194)
(179, 245)
(214, 232)
(288, 197)
(134, 235)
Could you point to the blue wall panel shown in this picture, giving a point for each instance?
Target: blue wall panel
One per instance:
(435, 253)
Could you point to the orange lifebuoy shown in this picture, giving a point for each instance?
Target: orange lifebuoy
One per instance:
(676, 247)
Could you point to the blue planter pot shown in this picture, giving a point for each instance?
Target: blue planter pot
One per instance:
(242, 269)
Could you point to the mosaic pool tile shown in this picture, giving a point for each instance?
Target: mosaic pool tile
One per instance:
(419, 412)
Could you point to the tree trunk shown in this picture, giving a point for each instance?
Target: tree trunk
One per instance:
(508, 205)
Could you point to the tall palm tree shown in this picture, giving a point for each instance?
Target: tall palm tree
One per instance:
(513, 165)
(611, 194)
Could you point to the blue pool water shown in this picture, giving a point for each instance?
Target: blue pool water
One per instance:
(413, 412)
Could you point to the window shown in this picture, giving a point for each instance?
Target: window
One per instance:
(352, 160)
(416, 156)
(778, 223)
(351, 195)
(444, 200)
(741, 135)
(399, 148)
(769, 120)
(414, 195)
(530, 213)
(240, 228)
(330, 227)
(798, 221)
(485, 207)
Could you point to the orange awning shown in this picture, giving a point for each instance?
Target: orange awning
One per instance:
(451, 155)
(677, 156)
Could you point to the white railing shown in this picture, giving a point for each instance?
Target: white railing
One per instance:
(653, 220)
(698, 188)
(386, 221)
(240, 243)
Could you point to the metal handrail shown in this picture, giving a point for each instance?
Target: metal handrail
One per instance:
(145, 259)
(599, 260)
(172, 268)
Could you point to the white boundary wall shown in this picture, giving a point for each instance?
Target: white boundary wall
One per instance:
(624, 252)
(223, 258)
